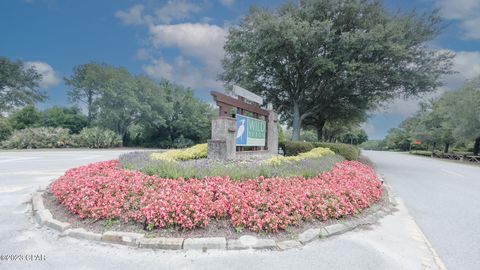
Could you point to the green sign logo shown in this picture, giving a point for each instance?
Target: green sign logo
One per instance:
(250, 131)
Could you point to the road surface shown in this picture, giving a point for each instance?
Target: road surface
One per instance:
(394, 243)
(444, 199)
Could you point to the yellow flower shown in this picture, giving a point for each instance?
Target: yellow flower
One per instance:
(194, 152)
(314, 153)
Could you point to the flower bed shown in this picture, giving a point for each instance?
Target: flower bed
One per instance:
(104, 191)
(308, 164)
(194, 152)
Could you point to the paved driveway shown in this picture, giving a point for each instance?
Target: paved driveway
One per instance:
(444, 199)
(394, 243)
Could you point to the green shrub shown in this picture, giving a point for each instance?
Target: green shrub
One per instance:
(421, 153)
(295, 148)
(182, 142)
(98, 138)
(348, 151)
(43, 137)
(5, 128)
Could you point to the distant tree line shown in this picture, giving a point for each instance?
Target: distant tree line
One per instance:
(450, 122)
(142, 111)
(332, 132)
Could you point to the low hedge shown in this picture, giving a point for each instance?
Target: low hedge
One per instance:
(295, 148)
(98, 138)
(43, 137)
(49, 137)
(421, 153)
(348, 151)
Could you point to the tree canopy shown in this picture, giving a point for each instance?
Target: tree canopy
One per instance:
(141, 110)
(453, 118)
(329, 59)
(18, 85)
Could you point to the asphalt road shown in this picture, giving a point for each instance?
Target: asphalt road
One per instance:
(395, 242)
(444, 199)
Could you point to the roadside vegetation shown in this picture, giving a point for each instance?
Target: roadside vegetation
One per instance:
(119, 109)
(449, 123)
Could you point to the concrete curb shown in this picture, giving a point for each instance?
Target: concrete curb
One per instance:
(45, 218)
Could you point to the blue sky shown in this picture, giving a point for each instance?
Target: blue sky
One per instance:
(182, 41)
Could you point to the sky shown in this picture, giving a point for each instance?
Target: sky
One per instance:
(182, 41)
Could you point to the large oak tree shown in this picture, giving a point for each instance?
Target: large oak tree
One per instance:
(316, 57)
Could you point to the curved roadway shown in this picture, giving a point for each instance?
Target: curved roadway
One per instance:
(444, 199)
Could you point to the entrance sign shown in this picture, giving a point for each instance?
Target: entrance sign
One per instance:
(242, 92)
(234, 133)
(250, 131)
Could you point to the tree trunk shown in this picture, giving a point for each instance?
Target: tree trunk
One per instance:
(476, 147)
(90, 108)
(296, 122)
(447, 145)
(319, 127)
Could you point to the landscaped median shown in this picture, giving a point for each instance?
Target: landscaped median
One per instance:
(178, 207)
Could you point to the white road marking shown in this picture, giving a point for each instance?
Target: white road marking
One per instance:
(452, 173)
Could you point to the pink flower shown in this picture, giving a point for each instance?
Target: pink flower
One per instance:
(103, 190)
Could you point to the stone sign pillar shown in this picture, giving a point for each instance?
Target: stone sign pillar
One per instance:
(272, 133)
(222, 144)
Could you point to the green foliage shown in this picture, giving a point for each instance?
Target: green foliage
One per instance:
(333, 59)
(26, 117)
(141, 110)
(182, 142)
(349, 152)
(373, 145)
(295, 148)
(450, 120)
(422, 153)
(85, 86)
(18, 85)
(50, 137)
(43, 137)
(64, 117)
(398, 139)
(5, 128)
(355, 137)
(98, 138)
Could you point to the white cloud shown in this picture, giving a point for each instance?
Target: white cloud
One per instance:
(134, 16)
(172, 10)
(199, 40)
(227, 2)
(465, 11)
(49, 76)
(176, 10)
(183, 72)
(200, 44)
(159, 69)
